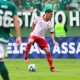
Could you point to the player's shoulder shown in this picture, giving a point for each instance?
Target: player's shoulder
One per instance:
(50, 22)
(11, 4)
(38, 17)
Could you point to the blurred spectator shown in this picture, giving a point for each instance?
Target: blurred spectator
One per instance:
(64, 4)
(60, 28)
(37, 5)
(56, 4)
(47, 5)
(43, 4)
(74, 5)
(29, 5)
(17, 2)
(78, 4)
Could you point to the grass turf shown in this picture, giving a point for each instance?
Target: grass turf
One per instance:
(68, 69)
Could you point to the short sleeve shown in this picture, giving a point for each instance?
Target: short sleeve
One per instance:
(14, 9)
(35, 20)
(51, 28)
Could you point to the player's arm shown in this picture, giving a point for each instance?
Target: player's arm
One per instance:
(52, 34)
(52, 37)
(33, 26)
(17, 27)
(35, 20)
(16, 24)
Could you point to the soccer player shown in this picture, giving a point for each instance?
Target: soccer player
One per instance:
(40, 26)
(7, 12)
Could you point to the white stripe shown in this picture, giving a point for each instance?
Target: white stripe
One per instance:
(4, 40)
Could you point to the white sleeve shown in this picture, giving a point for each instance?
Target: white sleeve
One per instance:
(35, 20)
(51, 28)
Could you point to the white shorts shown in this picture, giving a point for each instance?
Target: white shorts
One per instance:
(3, 49)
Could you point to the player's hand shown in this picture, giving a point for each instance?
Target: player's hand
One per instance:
(18, 41)
(55, 43)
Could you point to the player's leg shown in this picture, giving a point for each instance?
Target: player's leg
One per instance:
(30, 42)
(49, 59)
(44, 46)
(4, 71)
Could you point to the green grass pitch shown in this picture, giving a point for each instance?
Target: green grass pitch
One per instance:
(68, 69)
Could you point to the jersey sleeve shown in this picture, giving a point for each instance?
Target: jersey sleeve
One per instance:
(14, 9)
(35, 20)
(51, 28)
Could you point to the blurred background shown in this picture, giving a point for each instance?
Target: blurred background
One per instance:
(41, 6)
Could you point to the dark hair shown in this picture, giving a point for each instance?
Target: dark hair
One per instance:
(48, 11)
(60, 18)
